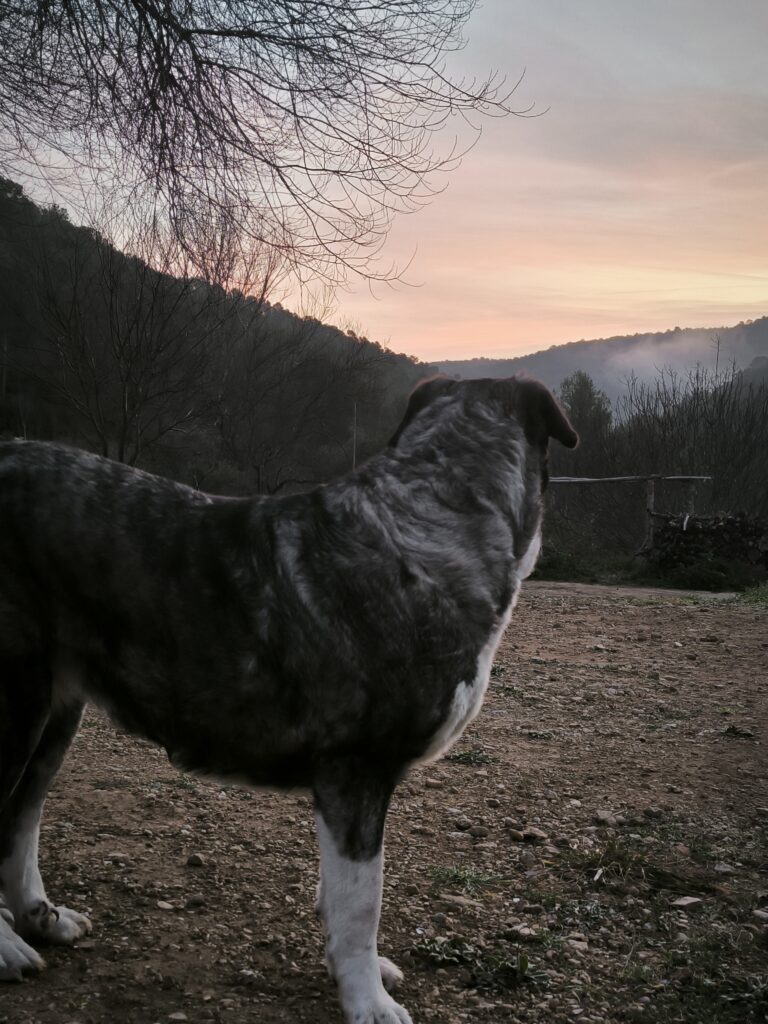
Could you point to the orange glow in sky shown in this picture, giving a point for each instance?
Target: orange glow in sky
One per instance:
(637, 201)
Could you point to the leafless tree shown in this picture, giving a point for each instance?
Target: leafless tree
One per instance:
(128, 347)
(302, 124)
(703, 422)
(286, 403)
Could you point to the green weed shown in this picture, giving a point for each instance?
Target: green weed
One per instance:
(757, 596)
(467, 879)
(487, 969)
(618, 861)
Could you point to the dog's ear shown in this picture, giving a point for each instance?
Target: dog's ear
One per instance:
(424, 393)
(539, 413)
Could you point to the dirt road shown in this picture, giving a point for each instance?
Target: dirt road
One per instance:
(619, 767)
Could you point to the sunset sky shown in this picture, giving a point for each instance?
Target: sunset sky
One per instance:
(637, 201)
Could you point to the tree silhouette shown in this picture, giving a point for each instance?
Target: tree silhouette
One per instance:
(303, 125)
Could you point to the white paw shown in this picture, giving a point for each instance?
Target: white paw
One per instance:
(58, 925)
(16, 957)
(381, 1009)
(391, 975)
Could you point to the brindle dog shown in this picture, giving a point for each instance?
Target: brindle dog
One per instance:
(326, 640)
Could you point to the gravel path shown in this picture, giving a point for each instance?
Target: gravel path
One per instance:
(595, 848)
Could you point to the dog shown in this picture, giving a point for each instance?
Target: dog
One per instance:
(326, 640)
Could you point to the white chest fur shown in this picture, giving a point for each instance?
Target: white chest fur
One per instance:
(468, 697)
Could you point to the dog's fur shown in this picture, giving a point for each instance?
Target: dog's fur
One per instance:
(326, 640)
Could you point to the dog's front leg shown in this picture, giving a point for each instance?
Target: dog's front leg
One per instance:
(350, 821)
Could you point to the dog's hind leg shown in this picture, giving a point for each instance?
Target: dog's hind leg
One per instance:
(25, 698)
(34, 915)
(351, 805)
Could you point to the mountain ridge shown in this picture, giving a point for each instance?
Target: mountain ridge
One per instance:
(610, 361)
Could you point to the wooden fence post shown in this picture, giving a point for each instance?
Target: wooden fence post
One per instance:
(650, 508)
(690, 503)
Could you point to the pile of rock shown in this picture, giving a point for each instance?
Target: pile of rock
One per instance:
(683, 539)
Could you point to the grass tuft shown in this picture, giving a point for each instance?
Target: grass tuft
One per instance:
(757, 596)
(618, 861)
(486, 969)
(467, 879)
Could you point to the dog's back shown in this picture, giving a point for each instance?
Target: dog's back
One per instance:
(247, 637)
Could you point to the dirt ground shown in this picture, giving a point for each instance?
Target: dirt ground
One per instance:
(594, 849)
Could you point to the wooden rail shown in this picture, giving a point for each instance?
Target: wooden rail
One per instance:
(650, 493)
(619, 479)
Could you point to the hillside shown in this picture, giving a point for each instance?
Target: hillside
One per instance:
(609, 361)
(130, 357)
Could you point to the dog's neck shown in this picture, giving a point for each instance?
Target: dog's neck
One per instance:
(469, 453)
(455, 475)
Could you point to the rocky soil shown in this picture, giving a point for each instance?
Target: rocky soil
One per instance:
(595, 848)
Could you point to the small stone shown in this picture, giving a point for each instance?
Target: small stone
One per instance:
(687, 902)
(516, 834)
(576, 946)
(604, 818)
(654, 813)
(196, 900)
(460, 901)
(433, 784)
(724, 869)
(534, 835)
(164, 905)
(479, 831)
(761, 915)
(195, 860)
(178, 1015)
(463, 824)
(422, 830)
(493, 802)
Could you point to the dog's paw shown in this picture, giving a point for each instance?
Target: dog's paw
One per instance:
(58, 925)
(391, 975)
(16, 957)
(381, 1009)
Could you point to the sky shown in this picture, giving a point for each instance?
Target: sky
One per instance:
(637, 201)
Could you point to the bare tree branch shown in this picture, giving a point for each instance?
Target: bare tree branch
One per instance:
(303, 124)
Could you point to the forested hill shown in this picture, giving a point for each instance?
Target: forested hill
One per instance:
(170, 373)
(610, 361)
